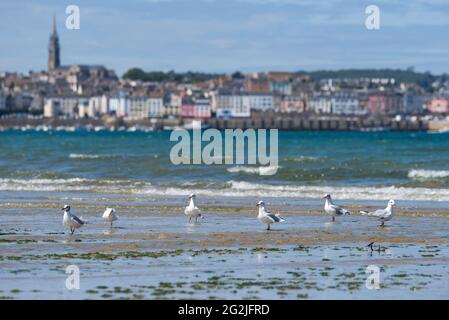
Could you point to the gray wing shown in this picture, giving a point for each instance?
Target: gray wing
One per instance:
(274, 217)
(76, 219)
(339, 210)
(378, 213)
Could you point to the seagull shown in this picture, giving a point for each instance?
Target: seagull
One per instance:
(267, 217)
(383, 214)
(70, 220)
(333, 209)
(109, 215)
(192, 210)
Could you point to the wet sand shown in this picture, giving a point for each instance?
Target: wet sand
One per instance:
(154, 253)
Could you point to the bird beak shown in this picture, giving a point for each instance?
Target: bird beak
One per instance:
(62, 209)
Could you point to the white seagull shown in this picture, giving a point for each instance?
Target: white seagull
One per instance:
(109, 215)
(332, 208)
(383, 214)
(192, 211)
(267, 217)
(70, 220)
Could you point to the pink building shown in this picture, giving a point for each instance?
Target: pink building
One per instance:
(376, 104)
(188, 110)
(292, 104)
(198, 108)
(438, 105)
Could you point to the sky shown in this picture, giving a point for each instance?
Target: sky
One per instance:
(228, 35)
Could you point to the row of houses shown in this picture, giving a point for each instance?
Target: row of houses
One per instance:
(191, 104)
(184, 104)
(353, 103)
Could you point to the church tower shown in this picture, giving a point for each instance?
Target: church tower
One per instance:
(53, 49)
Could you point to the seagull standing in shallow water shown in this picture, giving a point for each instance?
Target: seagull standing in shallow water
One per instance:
(109, 215)
(383, 214)
(267, 217)
(192, 211)
(333, 209)
(70, 220)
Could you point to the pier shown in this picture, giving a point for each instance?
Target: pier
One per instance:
(281, 122)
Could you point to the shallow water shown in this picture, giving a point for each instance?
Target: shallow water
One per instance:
(154, 253)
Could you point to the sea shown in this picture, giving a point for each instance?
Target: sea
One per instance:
(350, 165)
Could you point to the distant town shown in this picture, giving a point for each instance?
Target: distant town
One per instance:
(79, 92)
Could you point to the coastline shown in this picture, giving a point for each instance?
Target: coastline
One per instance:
(281, 121)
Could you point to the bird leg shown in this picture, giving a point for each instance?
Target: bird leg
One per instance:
(382, 224)
(190, 219)
(196, 219)
(333, 218)
(111, 224)
(268, 228)
(72, 230)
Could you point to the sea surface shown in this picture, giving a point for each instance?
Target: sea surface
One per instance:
(349, 165)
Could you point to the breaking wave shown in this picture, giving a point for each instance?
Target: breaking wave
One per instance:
(428, 174)
(225, 189)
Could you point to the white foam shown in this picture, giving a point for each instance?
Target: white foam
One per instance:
(231, 188)
(238, 169)
(247, 189)
(73, 184)
(422, 174)
(264, 170)
(83, 156)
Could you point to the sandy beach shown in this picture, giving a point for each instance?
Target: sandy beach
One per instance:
(154, 253)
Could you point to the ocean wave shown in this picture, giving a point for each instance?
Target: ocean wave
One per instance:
(303, 159)
(84, 156)
(225, 189)
(423, 174)
(248, 189)
(267, 170)
(73, 184)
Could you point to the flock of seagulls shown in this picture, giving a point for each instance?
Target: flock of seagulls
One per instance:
(264, 216)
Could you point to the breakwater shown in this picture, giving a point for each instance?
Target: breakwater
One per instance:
(284, 122)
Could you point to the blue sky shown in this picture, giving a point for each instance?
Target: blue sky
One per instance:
(228, 35)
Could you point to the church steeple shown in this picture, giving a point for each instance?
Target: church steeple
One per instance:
(54, 24)
(53, 48)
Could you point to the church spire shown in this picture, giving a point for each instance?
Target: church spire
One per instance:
(53, 48)
(54, 25)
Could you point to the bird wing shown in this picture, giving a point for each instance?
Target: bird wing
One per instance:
(339, 210)
(377, 213)
(275, 217)
(76, 219)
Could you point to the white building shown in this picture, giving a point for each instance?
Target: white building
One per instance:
(66, 106)
(118, 104)
(346, 104)
(259, 102)
(231, 105)
(172, 104)
(98, 106)
(136, 107)
(321, 104)
(202, 108)
(155, 107)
